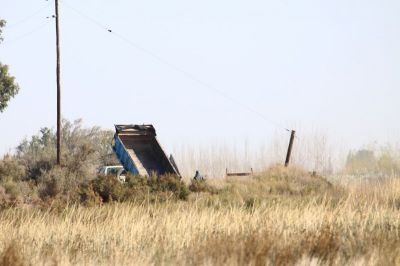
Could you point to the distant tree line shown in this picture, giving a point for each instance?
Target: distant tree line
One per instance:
(380, 162)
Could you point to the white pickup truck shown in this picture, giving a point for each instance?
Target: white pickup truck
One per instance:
(114, 170)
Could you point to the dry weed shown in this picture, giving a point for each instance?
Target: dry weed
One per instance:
(245, 223)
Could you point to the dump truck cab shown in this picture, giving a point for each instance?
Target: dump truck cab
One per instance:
(110, 169)
(113, 170)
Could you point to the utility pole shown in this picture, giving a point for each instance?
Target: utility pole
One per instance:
(289, 151)
(58, 86)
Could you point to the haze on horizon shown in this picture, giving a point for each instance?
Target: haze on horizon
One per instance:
(309, 65)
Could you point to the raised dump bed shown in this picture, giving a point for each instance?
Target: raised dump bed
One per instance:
(138, 150)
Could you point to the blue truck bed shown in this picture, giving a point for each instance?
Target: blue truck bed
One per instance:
(138, 150)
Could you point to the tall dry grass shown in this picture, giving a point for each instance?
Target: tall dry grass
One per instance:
(280, 217)
(314, 150)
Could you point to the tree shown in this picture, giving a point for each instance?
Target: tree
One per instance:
(361, 162)
(2, 24)
(8, 87)
(84, 149)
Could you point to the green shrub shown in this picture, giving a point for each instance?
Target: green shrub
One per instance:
(377, 162)
(106, 189)
(10, 194)
(83, 149)
(169, 183)
(11, 169)
(4, 198)
(61, 183)
(12, 190)
(201, 186)
(88, 196)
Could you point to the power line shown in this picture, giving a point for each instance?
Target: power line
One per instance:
(23, 36)
(176, 68)
(27, 18)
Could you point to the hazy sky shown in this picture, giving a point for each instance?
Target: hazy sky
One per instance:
(333, 66)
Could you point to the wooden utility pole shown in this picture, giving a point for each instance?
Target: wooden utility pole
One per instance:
(289, 151)
(58, 86)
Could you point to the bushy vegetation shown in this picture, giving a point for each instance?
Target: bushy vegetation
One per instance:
(374, 162)
(31, 175)
(104, 189)
(202, 186)
(279, 227)
(83, 149)
(67, 215)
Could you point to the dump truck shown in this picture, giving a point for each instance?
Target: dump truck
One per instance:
(140, 153)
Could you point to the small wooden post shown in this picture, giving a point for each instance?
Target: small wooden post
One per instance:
(289, 151)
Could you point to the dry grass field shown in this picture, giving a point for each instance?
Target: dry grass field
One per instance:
(279, 217)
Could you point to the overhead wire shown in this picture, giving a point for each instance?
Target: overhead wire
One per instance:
(23, 36)
(27, 18)
(176, 68)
